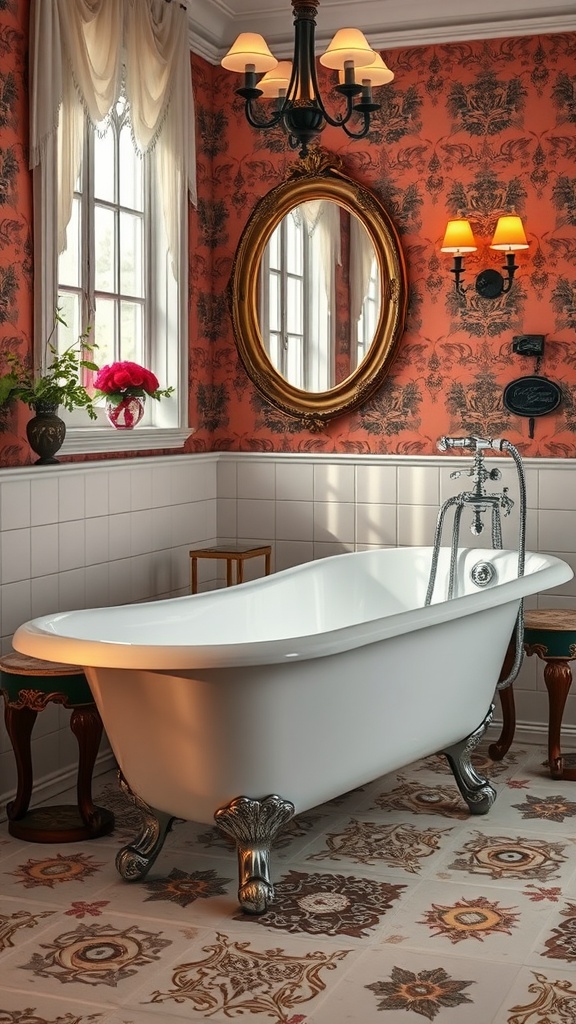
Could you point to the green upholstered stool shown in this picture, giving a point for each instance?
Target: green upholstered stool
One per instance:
(550, 633)
(28, 685)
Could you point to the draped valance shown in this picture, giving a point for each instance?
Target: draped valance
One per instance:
(84, 55)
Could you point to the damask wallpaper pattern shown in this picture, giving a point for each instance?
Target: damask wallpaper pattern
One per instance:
(476, 127)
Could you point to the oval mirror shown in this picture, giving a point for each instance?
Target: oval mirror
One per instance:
(318, 292)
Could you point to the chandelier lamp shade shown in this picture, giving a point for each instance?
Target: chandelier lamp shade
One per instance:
(298, 106)
(508, 237)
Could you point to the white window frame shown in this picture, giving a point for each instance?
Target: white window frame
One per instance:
(166, 424)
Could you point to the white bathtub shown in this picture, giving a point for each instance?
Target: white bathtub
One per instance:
(304, 685)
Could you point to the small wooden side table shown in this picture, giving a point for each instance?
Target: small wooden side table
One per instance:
(234, 554)
(550, 633)
(28, 685)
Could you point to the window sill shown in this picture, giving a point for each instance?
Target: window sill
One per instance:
(88, 440)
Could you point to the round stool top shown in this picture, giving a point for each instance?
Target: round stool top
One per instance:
(22, 665)
(562, 619)
(553, 631)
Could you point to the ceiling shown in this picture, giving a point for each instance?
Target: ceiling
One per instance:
(214, 24)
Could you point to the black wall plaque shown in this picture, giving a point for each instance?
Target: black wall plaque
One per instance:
(532, 396)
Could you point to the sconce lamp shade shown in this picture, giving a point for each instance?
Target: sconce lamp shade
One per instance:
(349, 45)
(276, 82)
(459, 237)
(509, 234)
(377, 73)
(249, 49)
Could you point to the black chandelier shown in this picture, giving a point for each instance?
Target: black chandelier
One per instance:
(299, 106)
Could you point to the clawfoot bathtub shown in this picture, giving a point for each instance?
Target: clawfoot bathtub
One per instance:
(261, 701)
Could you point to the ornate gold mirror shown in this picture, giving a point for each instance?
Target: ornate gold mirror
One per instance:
(318, 292)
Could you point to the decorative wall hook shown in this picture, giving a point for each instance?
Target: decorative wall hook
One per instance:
(508, 237)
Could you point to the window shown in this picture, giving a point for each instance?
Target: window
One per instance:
(118, 218)
(370, 312)
(295, 307)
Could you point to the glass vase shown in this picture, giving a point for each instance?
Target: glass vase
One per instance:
(127, 413)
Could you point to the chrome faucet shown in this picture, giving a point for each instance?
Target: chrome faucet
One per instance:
(480, 502)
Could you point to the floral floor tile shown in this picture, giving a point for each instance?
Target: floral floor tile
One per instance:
(468, 920)
(226, 978)
(544, 995)
(94, 958)
(508, 857)
(410, 849)
(396, 985)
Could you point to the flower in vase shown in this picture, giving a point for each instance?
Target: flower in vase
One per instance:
(117, 381)
(125, 385)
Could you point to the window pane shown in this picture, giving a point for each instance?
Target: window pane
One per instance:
(131, 269)
(274, 299)
(131, 331)
(295, 362)
(294, 244)
(69, 307)
(104, 331)
(69, 262)
(274, 349)
(274, 250)
(105, 249)
(104, 166)
(131, 173)
(294, 309)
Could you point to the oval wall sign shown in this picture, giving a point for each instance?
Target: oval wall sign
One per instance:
(532, 396)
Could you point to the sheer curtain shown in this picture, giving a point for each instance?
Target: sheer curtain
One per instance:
(361, 262)
(78, 51)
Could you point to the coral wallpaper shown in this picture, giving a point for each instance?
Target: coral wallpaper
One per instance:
(481, 127)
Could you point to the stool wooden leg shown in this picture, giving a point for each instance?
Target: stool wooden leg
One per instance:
(19, 725)
(240, 570)
(86, 724)
(229, 580)
(500, 748)
(558, 679)
(194, 575)
(267, 563)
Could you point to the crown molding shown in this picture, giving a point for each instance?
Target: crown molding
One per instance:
(214, 24)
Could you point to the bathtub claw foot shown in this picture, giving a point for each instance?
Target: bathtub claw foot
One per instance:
(478, 793)
(253, 824)
(133, 862)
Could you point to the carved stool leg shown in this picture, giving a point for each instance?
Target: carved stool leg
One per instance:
(86, 724)
(558, 679)
(19, 725)
(133, 862)
(476, 790)
(253, 824)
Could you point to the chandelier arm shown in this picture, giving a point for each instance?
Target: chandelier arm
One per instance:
(255, 123)
(362, 133)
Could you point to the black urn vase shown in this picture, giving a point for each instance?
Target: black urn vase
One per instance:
(45, 433)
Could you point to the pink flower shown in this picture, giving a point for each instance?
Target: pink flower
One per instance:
(127, 377)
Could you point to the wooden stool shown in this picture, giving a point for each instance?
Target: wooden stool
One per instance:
(234, 554)
(550, 633)
(28, 685)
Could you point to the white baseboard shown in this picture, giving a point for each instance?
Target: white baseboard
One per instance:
(535, 732)
(56, 783)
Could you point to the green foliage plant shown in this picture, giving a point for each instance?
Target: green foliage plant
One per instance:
(59, 384)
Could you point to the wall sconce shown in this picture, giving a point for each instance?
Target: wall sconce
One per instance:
(508, 237)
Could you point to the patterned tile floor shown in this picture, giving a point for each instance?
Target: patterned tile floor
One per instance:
(392, 904)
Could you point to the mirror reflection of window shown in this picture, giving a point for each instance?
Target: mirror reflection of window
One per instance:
(364, 291)
(298, 293)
